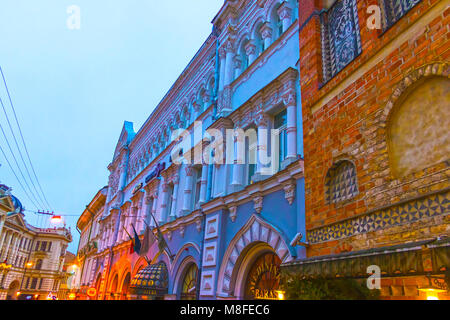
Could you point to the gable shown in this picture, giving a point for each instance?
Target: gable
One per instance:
(126, 136)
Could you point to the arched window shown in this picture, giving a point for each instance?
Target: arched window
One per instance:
(418, 127)
(189, 286)
(341, 182)
(263, 279)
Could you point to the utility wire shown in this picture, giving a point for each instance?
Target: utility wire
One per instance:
(23, 140)
(18, 180)
(15, 160)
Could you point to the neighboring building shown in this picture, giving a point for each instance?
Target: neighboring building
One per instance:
(89, 226)
(227, 223)
(68, 278)
(31, 258)
(376, 106)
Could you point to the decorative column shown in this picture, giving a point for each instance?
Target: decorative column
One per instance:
(203, 184)
(266, 34)
(263, 160)
(2, 240)
(173, 213)
(285, 14)
(237, 66)
(154, 208)
(165, 198)
(222, 55)
(291, 110)
(187, 200)
(250, 50)
(229, 64)
(13, 249)
(238, 161)
(136, 219)
(206, 99)
(8, 242)
(13, 246)
(148, 210)
(2, 223)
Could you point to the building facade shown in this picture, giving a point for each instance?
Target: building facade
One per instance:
(227, 189)
(376, 103)
(31, 258)
(89, 226)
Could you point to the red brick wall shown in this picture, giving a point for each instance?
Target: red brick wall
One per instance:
(351, 125)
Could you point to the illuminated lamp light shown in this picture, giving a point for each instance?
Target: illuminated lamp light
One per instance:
(72, 296)
(432, 291)
(29, 264)
(56, 219)
(280, 295)
(18, 293)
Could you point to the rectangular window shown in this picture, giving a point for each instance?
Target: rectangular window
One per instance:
(250, 160)
(169, 200)
(280, 123)
(40, 283)
(49, 247)
(37, 246)
(197, 187)
(43, 245)
(34, 283)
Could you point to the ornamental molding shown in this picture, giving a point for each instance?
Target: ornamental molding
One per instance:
(399, 215)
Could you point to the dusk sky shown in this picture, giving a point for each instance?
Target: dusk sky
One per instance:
(72, 89)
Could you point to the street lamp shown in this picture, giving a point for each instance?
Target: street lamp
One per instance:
(56, 219)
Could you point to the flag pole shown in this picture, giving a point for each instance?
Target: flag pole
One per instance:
(160, 233)
(127, 233)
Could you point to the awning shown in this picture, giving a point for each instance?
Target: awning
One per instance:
(151, 282)
(415, 258)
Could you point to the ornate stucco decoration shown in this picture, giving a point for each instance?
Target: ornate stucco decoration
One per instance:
(289, 192)
(198, 224)
(182, 230)
(258, 203)
(233, 213)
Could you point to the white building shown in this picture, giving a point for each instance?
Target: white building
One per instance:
(31, 259)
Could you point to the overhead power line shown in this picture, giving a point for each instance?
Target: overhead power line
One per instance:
(18, 180)
(15, 161)
(23, 142)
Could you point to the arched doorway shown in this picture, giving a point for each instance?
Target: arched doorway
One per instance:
(263, 278)
(113, 290)
(125, 286)
(189, 283)
(12, 290)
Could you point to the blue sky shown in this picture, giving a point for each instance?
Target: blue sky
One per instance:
(72, 89)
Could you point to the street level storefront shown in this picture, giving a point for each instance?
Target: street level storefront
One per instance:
(415, 270)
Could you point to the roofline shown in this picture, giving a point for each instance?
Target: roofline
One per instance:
(175, 83)
(94, 200)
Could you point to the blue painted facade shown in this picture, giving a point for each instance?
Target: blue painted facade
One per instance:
(220, 217)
